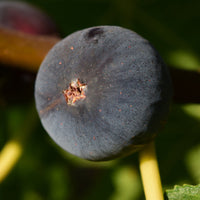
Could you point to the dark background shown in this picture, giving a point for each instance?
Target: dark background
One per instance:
(44, 171)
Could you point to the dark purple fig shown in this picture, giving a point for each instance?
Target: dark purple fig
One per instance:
(25, 18)
(103, 92)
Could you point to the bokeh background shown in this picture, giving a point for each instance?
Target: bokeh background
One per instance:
(46, 172)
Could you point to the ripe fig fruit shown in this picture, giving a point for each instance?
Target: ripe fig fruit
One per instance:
(103, 92)
(25, 18)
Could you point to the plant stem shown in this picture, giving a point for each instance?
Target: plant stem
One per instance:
(24, 50)
(8, 157)
(150, 173)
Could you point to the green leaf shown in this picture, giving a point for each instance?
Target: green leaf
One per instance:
(185, 192)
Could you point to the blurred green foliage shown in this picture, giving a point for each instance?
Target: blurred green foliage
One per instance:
(186, 192)
(46, 172)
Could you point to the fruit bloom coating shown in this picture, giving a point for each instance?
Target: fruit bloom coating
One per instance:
(125, 88)
(25, 18)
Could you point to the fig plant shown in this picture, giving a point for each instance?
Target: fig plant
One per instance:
(101, 93)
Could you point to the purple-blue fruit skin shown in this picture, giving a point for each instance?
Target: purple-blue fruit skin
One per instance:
(128, 93)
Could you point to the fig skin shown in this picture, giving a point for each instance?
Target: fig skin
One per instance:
(26, 18)
(127, 99)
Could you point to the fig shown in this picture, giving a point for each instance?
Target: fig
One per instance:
(103, 92)
(26, 18)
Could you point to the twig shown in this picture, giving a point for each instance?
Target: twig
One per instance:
(8, 157)
(24, 50)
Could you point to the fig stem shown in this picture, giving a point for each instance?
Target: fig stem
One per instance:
(150, 173)
(24, 50)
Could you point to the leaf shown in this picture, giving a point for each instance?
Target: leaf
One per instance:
(185, 192)
(183, 59)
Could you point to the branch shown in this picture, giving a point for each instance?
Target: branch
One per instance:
(27, 52)
(10, 154)
(24, 50)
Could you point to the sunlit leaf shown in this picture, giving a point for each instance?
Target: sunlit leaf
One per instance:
(186, 192)
(184, 59)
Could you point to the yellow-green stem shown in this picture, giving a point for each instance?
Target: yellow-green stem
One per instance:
(8, 157)
(150, 173)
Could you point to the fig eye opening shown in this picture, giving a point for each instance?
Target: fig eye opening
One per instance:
(75, 92)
